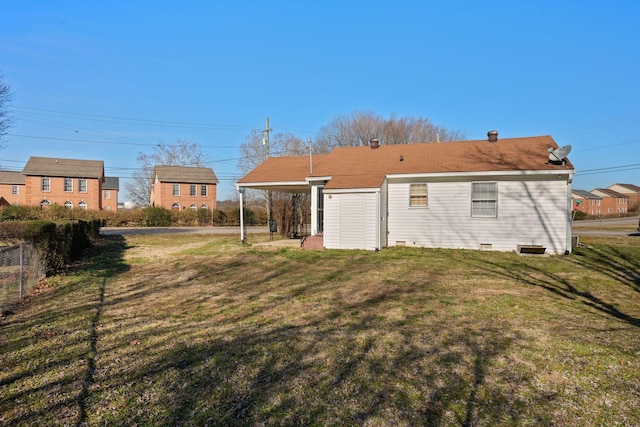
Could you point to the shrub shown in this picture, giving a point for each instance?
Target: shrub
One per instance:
(157, 217)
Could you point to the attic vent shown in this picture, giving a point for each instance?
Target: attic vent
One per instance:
(374, 143)
(493, 135)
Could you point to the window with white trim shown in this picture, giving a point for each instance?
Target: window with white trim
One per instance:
(193, 207)
(45, 185)
(82, 205)
(418, 195)
(204, 190)
(82, 185)
(15, 190)
(192, 190)
(204, 206)
(68, 204)
(176, 189)
(107, 194)
(68, 185)
(484, 199)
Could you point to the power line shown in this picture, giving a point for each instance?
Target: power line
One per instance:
(128, 120)
(110, 142)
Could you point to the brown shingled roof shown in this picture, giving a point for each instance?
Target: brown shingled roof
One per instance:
(12, 178)
(364, 167)
(72, 168)
(185, 174)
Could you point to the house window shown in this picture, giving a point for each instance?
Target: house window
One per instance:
(175, 206)
(82, 185)
(44, 203)
(46, 185)
(68, 185)
(192, 190)
(176, 189)
(107, 194)
(14, 190)
(418, 195)
(82, 205)
(68, 204)
(204, 190)
(484, 199)
(204, 206)
(193, 207)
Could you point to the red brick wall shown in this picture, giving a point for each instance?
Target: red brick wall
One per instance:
(56, 194)
(163, 196)
(6, 191)
(110, 204)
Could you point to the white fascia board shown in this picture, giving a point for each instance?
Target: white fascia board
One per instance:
(568, 172)
(351, 190)
(272, 184)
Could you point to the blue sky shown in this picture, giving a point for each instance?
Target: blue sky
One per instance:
(107, 80)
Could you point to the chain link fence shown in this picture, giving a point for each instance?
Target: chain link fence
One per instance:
(21, 268)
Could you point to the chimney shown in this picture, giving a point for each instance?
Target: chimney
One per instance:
(493, 135)
(374, 143)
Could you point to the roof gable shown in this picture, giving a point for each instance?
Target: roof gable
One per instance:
(185, 174)
(49, 166)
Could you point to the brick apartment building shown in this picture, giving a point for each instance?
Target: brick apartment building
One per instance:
(12, 188)
(181, 187)
(72, 183)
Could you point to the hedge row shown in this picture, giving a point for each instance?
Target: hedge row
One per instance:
(150, 217)
(59, 243)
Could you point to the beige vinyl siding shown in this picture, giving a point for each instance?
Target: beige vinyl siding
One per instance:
(528, 212)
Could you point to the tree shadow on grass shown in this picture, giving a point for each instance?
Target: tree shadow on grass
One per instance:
(348, 363)
(52, 341)
(528, 273)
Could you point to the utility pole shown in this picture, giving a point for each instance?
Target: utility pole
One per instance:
(269, 199)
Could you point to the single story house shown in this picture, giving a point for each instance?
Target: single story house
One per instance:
(494, 194)
(183, 187)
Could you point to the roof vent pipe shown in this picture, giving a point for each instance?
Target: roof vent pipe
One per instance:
(493, 135)
(374, 143)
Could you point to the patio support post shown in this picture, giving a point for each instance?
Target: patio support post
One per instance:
(243, 237)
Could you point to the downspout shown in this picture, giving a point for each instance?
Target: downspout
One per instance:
(243, 238)
(378, 245)
(569, 239)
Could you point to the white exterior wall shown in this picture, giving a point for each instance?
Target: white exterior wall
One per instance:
(351, 220)
(528, 212)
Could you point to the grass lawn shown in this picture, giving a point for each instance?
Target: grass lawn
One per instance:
(199, 330)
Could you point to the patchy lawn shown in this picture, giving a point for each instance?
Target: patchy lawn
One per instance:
(198, 330)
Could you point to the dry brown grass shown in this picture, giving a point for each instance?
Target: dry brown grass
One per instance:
(198, 330)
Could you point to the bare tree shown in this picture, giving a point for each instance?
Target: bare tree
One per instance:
(253, 152)
(358, 128)
(182, 153)
(5, 118)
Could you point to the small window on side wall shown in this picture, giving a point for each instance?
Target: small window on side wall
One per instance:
(418, 196)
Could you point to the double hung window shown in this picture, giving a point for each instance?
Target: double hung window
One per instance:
(484, 199)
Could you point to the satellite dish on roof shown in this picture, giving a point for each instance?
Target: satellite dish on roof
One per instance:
(558, 155)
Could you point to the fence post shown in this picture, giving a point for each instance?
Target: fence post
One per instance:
(21, 265)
